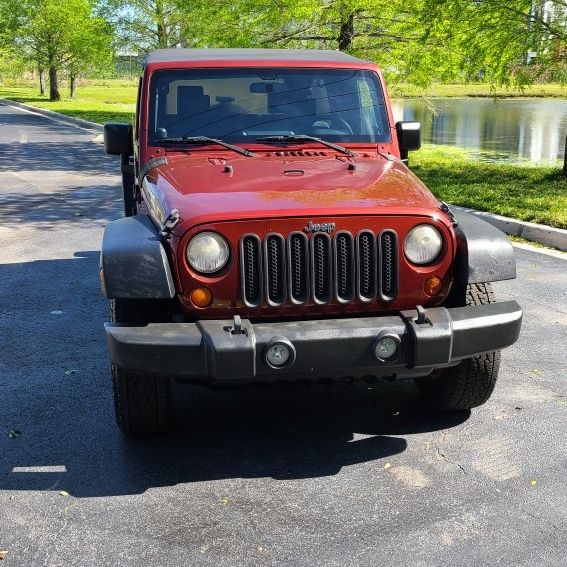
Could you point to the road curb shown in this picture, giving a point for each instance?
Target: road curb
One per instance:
(57, 116)
(543, 234)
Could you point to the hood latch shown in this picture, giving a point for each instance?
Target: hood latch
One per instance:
(170, 223)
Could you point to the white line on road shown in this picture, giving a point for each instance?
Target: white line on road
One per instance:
(41, 469)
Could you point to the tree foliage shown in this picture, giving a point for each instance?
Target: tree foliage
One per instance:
(148, 24)
(516, 41)
(416, 41)
(387, 32)
(53, 36)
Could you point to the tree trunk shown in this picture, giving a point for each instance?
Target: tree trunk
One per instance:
(53, 84)
(161, 25)
(346, 34)
(72, 79)
(41, 81)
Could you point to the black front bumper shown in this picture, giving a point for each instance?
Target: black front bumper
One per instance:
(212, 351)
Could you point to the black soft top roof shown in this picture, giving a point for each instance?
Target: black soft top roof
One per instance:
(312, 55)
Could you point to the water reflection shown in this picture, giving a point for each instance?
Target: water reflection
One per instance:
(532, 129)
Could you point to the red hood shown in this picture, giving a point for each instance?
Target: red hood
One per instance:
(208, 187)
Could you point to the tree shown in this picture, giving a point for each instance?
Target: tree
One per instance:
(517, 41)
(386, 32)
(147, 24)
(55, 36)
(89, 49)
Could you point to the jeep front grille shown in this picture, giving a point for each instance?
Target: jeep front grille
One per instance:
(388, 265)
(320, 268)
(344, 267)
(367, 262)
(250, 259)
(321, 265)
(298, 267)
(274, 250)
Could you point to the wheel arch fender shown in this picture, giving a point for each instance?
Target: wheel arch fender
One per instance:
(484, 253)
(133, 261)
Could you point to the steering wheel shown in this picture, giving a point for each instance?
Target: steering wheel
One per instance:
(328, 124)
(343, 123)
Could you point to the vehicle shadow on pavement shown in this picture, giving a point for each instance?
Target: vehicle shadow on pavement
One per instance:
(57, 422)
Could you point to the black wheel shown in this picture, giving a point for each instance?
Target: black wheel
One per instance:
(142, 402)
(471, 382)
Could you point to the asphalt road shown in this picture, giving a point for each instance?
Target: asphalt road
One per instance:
(298, 477)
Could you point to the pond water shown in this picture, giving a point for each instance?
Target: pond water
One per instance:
(501, 129)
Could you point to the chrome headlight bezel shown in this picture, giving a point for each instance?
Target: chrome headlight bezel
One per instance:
(209, 261)
(423, 244)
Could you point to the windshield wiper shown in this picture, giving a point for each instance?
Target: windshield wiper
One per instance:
(305, 138)
(202, 140)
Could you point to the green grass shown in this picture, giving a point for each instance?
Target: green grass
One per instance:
(523, 191)
(477, 90)
(520, 240)
(97, 101)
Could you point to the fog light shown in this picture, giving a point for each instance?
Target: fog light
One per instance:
(279, 353)
(201, 297)
(387, 347)
(432, 286)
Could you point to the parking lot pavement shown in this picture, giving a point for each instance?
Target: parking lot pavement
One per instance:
(327, 476)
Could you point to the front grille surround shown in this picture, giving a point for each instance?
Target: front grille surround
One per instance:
(298, 263)
(251, 270)
(278, 269)
(388, 265)
(367, 264)
(344, 265)
(275, 269)
(321, 268)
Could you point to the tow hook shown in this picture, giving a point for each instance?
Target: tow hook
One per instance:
(421, 318)
(236, 328)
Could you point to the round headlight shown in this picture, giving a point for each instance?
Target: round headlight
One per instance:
(423, 244)
(207, 252)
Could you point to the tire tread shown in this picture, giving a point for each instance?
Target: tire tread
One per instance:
(471, 383)
(142, 402)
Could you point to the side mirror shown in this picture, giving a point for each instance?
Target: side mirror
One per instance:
(117, 138)
(409, 137)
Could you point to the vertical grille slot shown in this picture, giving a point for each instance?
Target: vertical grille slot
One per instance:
(344, 267)
(251, 266)
(274, 262)
(388, 265)
(298, 267)
(367, 268)
(321, 263)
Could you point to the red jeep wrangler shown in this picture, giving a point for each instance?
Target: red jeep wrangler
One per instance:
(274, 232)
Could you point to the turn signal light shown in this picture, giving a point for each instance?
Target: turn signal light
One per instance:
(201, 297)
(432, 286)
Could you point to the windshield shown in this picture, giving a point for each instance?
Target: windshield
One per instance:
(240, 105)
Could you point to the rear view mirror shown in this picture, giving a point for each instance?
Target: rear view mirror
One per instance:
(409, 137)
(117, 138)
(268, 88)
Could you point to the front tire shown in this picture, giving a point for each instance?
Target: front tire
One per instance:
(470, 383)
(142, 402)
